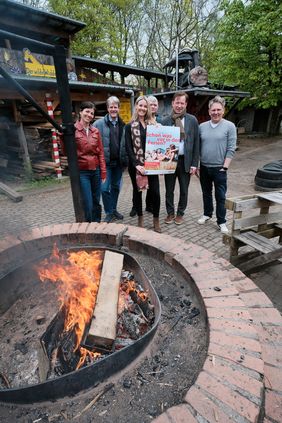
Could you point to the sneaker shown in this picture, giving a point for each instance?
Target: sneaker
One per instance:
(133, 212)
(169, 219)
(108, 218)
(117, 215)
(179, 220)
(223, 228)
(203, 219)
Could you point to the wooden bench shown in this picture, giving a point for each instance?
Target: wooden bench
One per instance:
(257, 225)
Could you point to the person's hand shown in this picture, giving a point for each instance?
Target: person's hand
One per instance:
(193, 170)
(198, 172)
(140, 169)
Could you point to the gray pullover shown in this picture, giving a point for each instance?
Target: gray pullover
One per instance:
(217, 143)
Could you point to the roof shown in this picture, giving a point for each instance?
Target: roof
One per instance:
(35, 23)
(34, 83)
(124, 70)
(201, 91)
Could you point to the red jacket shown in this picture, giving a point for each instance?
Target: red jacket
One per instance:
(90, 151)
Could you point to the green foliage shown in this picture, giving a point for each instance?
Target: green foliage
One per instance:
(248, 49)
(108, 24)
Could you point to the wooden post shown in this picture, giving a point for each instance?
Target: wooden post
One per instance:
(20, 130)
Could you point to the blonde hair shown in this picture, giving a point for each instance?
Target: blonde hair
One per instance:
(149, 120)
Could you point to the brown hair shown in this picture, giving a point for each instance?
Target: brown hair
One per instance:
(86, 105)
(180, 94)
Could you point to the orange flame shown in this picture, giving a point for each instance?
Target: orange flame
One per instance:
(77, 275)
(130, 286)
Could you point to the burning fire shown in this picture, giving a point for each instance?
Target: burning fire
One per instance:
(77, 275)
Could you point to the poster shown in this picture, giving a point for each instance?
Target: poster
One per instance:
(161, 150)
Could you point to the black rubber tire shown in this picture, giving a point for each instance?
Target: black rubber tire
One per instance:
(267, 174)
(258, 188)
(268, 183)
(271, 170)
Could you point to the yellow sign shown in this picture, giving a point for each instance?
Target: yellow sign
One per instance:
(35, 65)
(125, 109)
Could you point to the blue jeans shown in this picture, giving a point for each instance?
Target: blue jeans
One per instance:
(210, 176)
(111, 187)
(90, 183)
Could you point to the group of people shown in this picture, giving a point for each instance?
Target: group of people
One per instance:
(108, 146)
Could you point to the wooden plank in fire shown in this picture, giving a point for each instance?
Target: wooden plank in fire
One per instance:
(102, 330)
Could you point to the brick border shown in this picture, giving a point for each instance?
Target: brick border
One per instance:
(241, 380)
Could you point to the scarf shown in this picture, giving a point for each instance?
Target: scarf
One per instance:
(141, 180)
(136, 142)
(177, 118)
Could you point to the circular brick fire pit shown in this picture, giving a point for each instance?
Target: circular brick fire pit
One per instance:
(241, 377)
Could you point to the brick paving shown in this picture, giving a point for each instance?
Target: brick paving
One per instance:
(241, 379)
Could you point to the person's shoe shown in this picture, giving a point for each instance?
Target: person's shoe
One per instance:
(117, 215)
(156, 222)
(203, 219)
(149, 209)
(133, 212)
(169, 219)
(223, 228)
(108, 218)
(179, 220)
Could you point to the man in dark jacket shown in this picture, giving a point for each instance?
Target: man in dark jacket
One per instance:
(188, 156)
(111, 129)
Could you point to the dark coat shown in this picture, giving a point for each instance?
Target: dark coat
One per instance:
(104, 128)
(191, 142)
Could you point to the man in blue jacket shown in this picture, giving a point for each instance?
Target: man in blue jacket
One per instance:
(188, 157)
(111, 129)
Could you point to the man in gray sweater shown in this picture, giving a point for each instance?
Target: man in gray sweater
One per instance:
(217, 147)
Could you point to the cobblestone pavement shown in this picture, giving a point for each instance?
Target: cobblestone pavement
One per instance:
(50, 206)
(55, 206)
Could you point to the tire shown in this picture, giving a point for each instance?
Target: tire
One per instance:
(271, 170)
(267, 174)
(268, 183)
(258, 188)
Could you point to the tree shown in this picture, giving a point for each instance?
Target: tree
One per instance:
(248, 49)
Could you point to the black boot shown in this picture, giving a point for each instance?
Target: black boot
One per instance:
(133, 212)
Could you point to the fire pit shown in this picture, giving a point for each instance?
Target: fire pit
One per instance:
(157, 379)
(74, 381)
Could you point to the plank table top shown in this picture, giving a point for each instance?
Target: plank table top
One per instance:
(275, 197)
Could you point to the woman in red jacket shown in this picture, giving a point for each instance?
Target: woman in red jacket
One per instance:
(91, 161)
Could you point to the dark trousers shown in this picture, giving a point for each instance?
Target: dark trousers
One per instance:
(149, 200)
(210, 176)
(183, 180)
(154, 187)
(90, 183)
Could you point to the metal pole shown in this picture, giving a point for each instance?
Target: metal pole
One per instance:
(56, 156)
(176, 64)
(68, 129)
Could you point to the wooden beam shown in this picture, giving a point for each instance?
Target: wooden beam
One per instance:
(261, 261)
(103, 326)
(10, 193)
(249, 222)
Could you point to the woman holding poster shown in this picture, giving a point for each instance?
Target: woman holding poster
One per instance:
(135, 140)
